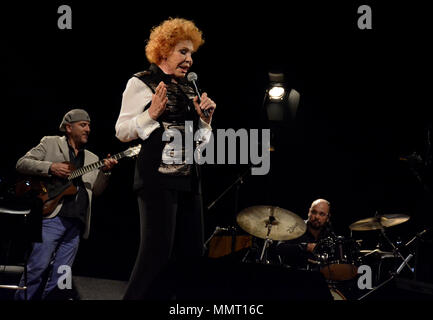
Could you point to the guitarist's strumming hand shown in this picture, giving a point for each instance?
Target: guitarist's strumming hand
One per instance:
(109, 163)
(60, 169)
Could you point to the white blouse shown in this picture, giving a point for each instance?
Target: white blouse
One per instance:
(133, 123)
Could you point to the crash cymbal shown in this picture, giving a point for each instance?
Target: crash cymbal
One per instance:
(285, 225)
(375, 223)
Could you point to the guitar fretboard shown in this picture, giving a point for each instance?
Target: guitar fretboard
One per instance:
(93, 166)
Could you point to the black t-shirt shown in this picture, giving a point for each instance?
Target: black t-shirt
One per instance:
(294, 252)
(75, 206)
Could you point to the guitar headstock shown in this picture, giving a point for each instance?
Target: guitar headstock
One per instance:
(133, 151)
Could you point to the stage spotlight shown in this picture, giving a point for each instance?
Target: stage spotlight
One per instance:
(281, 102)
(276, 89)
(276, 93)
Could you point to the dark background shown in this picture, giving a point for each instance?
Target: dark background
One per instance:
(363, 104)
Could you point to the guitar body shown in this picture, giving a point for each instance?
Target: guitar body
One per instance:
(49, 205)
(38, 187)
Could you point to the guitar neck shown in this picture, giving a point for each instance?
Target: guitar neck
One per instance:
(93, 166)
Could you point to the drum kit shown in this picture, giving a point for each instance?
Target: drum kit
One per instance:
(336, 257)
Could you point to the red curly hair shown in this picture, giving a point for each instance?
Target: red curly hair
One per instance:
(163, 38)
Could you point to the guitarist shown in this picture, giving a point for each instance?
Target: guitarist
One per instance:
(62, 228)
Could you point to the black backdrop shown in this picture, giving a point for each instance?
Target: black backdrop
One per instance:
(362, 104)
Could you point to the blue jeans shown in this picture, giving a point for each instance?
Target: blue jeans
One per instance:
(59, 246)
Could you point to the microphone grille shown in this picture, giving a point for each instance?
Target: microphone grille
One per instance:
(192, 76)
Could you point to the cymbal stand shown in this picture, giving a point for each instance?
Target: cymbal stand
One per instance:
(417, 236)
(216, 231)
(251, 250)
(396, 251)
(393, 275)
(268, 241)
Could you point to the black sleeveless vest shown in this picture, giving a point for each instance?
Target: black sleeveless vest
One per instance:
(150, 170)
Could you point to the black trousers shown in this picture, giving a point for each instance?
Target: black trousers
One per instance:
(171, 229)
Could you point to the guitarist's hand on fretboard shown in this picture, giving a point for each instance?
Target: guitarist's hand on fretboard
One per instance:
(109, 163)
(60, 169)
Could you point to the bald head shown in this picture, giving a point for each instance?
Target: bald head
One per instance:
(319, 213)
(323, 202)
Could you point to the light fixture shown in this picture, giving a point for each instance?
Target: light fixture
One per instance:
(276, 89)
(276, 93)
(281, 102)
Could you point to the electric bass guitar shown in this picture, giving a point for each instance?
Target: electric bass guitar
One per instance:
(44, 190)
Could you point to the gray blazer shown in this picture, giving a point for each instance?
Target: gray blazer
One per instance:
(55, 149)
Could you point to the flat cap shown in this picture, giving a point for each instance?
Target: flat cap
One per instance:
(73, 116)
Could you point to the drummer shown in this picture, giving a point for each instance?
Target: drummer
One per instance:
(299, 252)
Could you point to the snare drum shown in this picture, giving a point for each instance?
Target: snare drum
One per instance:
(337, 257)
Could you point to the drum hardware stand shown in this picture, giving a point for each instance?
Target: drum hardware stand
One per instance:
(268, 241)
(417, 236)
(253, 247)
(217, 230)
(393, 275)
(396, 253)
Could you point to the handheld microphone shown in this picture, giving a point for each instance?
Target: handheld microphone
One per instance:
(192, 77)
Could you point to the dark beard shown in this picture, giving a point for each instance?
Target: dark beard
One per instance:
(314, 227)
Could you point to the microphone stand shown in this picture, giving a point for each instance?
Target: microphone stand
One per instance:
(237, 183)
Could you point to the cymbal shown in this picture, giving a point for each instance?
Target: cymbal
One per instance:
(375, 223)
(285, 225)
(378, 251)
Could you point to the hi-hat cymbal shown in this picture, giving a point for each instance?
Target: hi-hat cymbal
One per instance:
(375, 223)
(284, 224)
